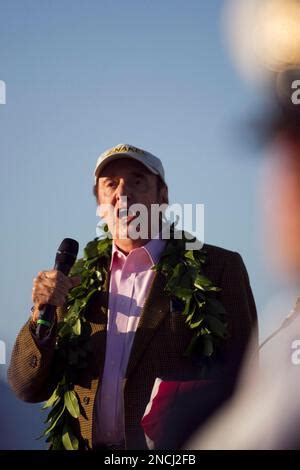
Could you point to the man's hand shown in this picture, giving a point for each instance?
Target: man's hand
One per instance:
(51, 287)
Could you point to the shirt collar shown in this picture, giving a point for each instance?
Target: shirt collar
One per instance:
(153, 250)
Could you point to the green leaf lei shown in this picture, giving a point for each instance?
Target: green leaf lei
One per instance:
(187, 287)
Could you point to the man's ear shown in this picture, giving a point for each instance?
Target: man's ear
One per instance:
(95, 192)
(163, 194)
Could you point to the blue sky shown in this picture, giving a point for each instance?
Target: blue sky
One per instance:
(84, 76)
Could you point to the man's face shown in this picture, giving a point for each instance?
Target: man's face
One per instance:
(123, 185)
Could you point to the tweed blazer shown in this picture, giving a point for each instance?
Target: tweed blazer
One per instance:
(159, 343)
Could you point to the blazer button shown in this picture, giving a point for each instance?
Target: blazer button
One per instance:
(86, 400)
(33, 361)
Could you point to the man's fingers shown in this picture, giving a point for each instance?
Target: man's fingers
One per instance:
(54, 276)
(53, 279)
(47, 292)
(42, 299)
(39, 299)
(50, 286)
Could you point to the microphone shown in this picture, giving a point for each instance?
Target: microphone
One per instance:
(64, 260)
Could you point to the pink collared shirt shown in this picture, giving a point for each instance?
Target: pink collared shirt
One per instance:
(130, 281)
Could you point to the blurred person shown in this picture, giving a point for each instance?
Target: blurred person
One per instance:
(264, 412)
(119, 308)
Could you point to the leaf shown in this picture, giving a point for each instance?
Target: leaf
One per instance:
(52, 400)
(57, 442)
(64, 329)
(215, 307)
(182, 292)
(71, 403)
(90, 262)
(187, 278)
(189, 255)
(75, 309)
(192, 345)
(103, 246)
(89, 296)
(213, 288)
(52, 415)
(202, 282)
(200, 303)
(76, 329)
(76, 292)
(216, 326)
(69, 440)
(54, 421)
(175, 278)
(99, 275)
(194, 325)
(91, 250)
(77, 267)
(204, 331)
(208, 347)
(195, 316)
(187, 306)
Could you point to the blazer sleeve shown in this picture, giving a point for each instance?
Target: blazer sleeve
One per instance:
(29, 373)
(237, 298)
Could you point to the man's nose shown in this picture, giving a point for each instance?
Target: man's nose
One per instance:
(123, 189)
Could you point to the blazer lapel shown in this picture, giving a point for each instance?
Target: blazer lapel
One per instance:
(97, 317)
(155, 309)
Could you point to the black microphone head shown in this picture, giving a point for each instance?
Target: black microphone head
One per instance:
(66, 255)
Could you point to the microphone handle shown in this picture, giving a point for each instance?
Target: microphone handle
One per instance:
(46, 315)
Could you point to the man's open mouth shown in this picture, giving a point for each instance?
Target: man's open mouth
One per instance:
(125, 215)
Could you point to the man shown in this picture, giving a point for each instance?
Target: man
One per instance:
(136, 334)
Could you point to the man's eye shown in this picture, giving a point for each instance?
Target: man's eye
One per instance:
(111, 184)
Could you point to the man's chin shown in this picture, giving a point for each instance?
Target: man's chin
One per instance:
(125, 230)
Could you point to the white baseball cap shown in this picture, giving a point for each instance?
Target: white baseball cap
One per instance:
(129, 151)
